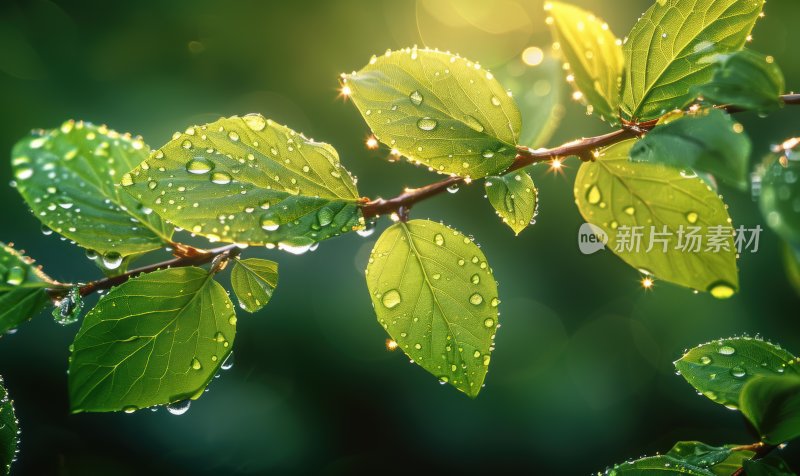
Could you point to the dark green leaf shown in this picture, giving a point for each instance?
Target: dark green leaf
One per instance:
(253, 280)
(662, 465)
(435, 295)
(772, 404)
(593, 55)
(23, 288)
(249, 180)
(699, 454)
(9, 431)
(617, 195)
(708, 141)
(671, 47)
(68, 177)
(154, 340)
(745, 79)
(791, 260)
(780, 195)
(720, 369)
(438, 109)
(514, 197)
(771, 465)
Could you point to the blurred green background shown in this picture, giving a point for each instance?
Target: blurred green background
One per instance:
(582, 375)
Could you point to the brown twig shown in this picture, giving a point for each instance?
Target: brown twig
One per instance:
(760, 449)
(581, 148)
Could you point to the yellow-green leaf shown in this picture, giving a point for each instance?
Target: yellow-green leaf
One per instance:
(253, 280)
(23, 288)
(435, 295)
(514, 197)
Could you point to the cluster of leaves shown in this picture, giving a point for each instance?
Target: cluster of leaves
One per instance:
(756, 377)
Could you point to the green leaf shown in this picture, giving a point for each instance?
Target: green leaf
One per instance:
(514, 197)
(249, 180)
(772, 404)
(745, 79)
(253, 280)
(539, 92)
(23, 288)
(662, 465)
(616, 195)
(732, 463)
(791, 261)
(771, 465)
(780, 194)
(708, 141)
(9, 431)
(68, 175)
(435, 295)
(699, 454)
(671, 49)
(154, 340)
(593, 54)
(438, 109)
(719, 369)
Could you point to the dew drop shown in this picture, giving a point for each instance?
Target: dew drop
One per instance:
(391, 298)
(705, 360)
(593, 196)
(255, 122)
(475, 279)
(427, 124)
(416, 98)
(495, 101)
(15, 276)
(488, 322)
(738, 372)
(269, 224)
(438, 239)
(473, 123)
(233, 135)
(227, 364)
(196, 365)
(221, 178)
(692, 217)
(726, 350)
(112, 260)
(721, 290)
(199, 165)
(179, 408)
(630, 211)
(476, 299)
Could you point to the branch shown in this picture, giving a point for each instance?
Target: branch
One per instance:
(760, 449)
(582, 148)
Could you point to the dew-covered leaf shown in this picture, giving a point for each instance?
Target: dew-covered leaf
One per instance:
(9, 431)
(514, 198)
(745, 79)
(719, 369)
(435, 295)
(771, 465)
(249, 180)
(438, 109)
(253, 280)
(772, 404)
(155, 340)
(593, 55)
(780, 195)
(68, 177)
(662, 465)
(720, 460)
(672, 48)
(23, 288)
(708, 141)
(638, 205)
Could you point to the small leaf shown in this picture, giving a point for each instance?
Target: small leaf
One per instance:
(791, 261)
(253, 280)
(708, 141)
(699, 454)
(594, 57)
(636, 203)
(68, 177)
(438, 109)
(9, 431)
(157, 339)
(770, 465)
(514, 197)
(249, 180)
(780, 194)
(435, 295)
(662, 465)
(671, 49)
(539, 91)
(719, 369)
(23, 288)
(772, 404)
(745, 79)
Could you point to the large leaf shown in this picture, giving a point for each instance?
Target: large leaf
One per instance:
(592, 54)
(699, 454)
(618, 195)
(772, 404)
(708, 141)
(23, 288)
(154, 340)
(68, 175)
(435, 295)
(253, 280)
(9, 431)
(671, 49)
(514, 197)
(780, 196)
(719, 369)
(249, 180)
(745, 79)
(662, 465)
(438, 109)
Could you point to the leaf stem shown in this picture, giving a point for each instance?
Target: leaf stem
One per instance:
(760, 449)
(581, 148)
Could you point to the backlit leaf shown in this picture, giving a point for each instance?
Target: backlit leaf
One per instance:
(636, 203)
(23, 288)
(253, 280)
(594, 57)
(780, 195)
(157, 339)
(9, 427)
(249, 180)
(438, 109)
(435, 295)
(772, 404)
(719, 369)
(745, 79)
(662, 465)
(514, 198)
(672, 48)
(68, 177)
